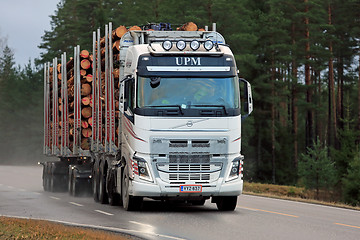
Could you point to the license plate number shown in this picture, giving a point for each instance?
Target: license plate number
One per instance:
(190, 188)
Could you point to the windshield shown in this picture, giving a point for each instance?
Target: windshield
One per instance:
(188, 92)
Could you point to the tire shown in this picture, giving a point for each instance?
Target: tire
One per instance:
(226, 203)
(103, 197)
(45, 177)
(114, 197)
(130, 203)
(76, 185)
(70, 180)
(95, 183)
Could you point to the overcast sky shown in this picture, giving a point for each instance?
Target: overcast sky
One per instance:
(23, 22)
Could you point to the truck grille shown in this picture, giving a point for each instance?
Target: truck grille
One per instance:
(184, 160)
(189, 176)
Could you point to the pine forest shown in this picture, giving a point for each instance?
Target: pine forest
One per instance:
(302, 58)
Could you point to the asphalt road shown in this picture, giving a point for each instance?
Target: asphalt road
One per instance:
(21, 195)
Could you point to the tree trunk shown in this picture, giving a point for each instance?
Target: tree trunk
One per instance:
(273, 122)
(309, 116)
(294, 108)
(332, 103)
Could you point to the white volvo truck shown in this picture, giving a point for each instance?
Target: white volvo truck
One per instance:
(179, 122)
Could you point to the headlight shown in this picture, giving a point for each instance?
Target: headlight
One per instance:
(143, 169)
(194, 45)
(181, 45)
(208, 45)
(167, 45)
(236, 169)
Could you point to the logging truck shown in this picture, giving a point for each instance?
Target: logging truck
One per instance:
(151, 113)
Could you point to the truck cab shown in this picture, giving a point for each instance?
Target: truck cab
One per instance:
(180, 119)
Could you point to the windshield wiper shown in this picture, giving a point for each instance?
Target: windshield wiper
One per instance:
(209, 105)
(164, 106)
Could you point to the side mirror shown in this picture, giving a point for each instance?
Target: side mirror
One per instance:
(247, 98)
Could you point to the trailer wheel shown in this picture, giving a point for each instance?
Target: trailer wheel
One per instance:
(75, 185)
(95, 177)
(70, 180)
(130, 203)
(45, 176)
(226, 203)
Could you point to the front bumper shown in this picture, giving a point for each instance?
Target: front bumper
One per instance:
(163, 189)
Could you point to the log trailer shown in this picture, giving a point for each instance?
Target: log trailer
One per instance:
(164, 123)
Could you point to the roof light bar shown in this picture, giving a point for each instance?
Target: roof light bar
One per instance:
(194, 45)
(167, 45)
(181, 45)
(208, 45)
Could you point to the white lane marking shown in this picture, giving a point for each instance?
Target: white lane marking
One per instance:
(76, 204)
(114, 229)
(54, 198)
(106, 213)
(10, 187)
(22, 190)
(142, 224)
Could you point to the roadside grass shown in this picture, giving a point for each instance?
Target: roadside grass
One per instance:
(293, 193)
(14, 228)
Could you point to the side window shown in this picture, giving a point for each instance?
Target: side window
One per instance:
(130, 94)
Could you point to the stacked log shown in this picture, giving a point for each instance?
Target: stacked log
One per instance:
(86, 78)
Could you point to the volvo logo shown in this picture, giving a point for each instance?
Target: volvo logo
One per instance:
(189, 124)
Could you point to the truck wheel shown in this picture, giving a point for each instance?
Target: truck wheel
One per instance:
(95, 178)
(226, 203)
(130, 203)
(114, 197)
(75, 185)
(103, 198)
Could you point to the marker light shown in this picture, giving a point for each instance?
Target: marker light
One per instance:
(181, 45)
(208, 45)
(167, 45)
(194, 45)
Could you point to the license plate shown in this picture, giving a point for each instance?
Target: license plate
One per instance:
(190, 188)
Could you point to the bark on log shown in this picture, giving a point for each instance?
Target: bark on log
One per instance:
(116, 46)
(119, 32)
(116, 73)
(70, 64)
(86, 112)
(189, 26)
(135, 28)
(85, 144)
(90, 121)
